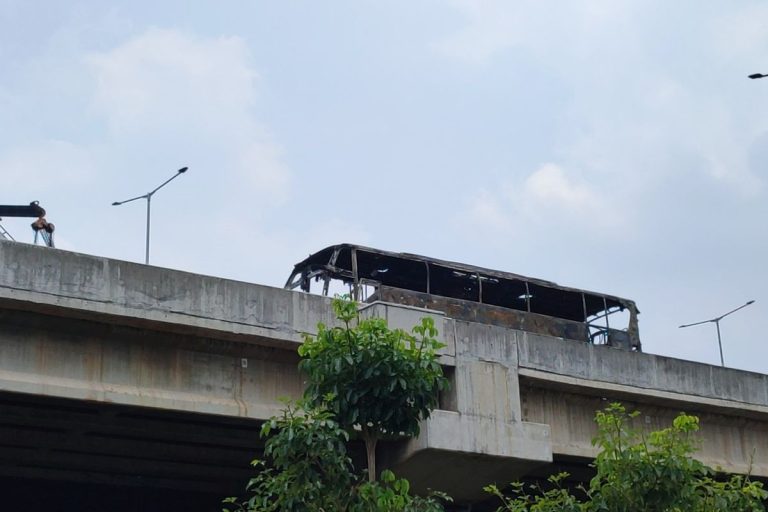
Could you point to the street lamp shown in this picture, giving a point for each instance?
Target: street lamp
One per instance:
(716, 321)
(148, 197)
(757, 75)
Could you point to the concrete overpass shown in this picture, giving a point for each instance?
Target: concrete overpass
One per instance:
(120, 379)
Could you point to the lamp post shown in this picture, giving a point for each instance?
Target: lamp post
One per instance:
(148, 197)
(753, 76)
(716, 321)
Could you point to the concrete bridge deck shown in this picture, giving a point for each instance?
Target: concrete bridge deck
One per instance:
(128, 374)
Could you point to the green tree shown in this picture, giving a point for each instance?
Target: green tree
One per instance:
(635, 472)
(307, 469)
(377, 381)
(306, 466)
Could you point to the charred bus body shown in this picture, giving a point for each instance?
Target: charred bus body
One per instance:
(470, 293)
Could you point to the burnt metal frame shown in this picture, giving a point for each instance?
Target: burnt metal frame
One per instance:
(310, 268)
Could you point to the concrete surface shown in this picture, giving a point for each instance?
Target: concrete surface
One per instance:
(102, 331)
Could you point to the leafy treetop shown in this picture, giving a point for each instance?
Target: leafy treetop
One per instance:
(308, 470)
(635, 472)
(375, 379)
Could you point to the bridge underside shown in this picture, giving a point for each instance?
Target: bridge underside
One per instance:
(61, 454)
(78, 455)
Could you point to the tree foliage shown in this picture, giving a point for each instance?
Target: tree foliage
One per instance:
(635, 472)
(363, 378)
(306, 466)
(378, 381)
(392, 494)
(307, 469)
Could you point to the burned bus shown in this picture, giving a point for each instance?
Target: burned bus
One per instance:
(467, 292)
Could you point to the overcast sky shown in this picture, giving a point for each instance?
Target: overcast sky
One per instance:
(616, 146)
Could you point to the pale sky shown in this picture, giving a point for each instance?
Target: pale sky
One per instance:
(611, 145)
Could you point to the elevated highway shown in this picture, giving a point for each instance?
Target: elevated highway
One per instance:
(151, 383)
